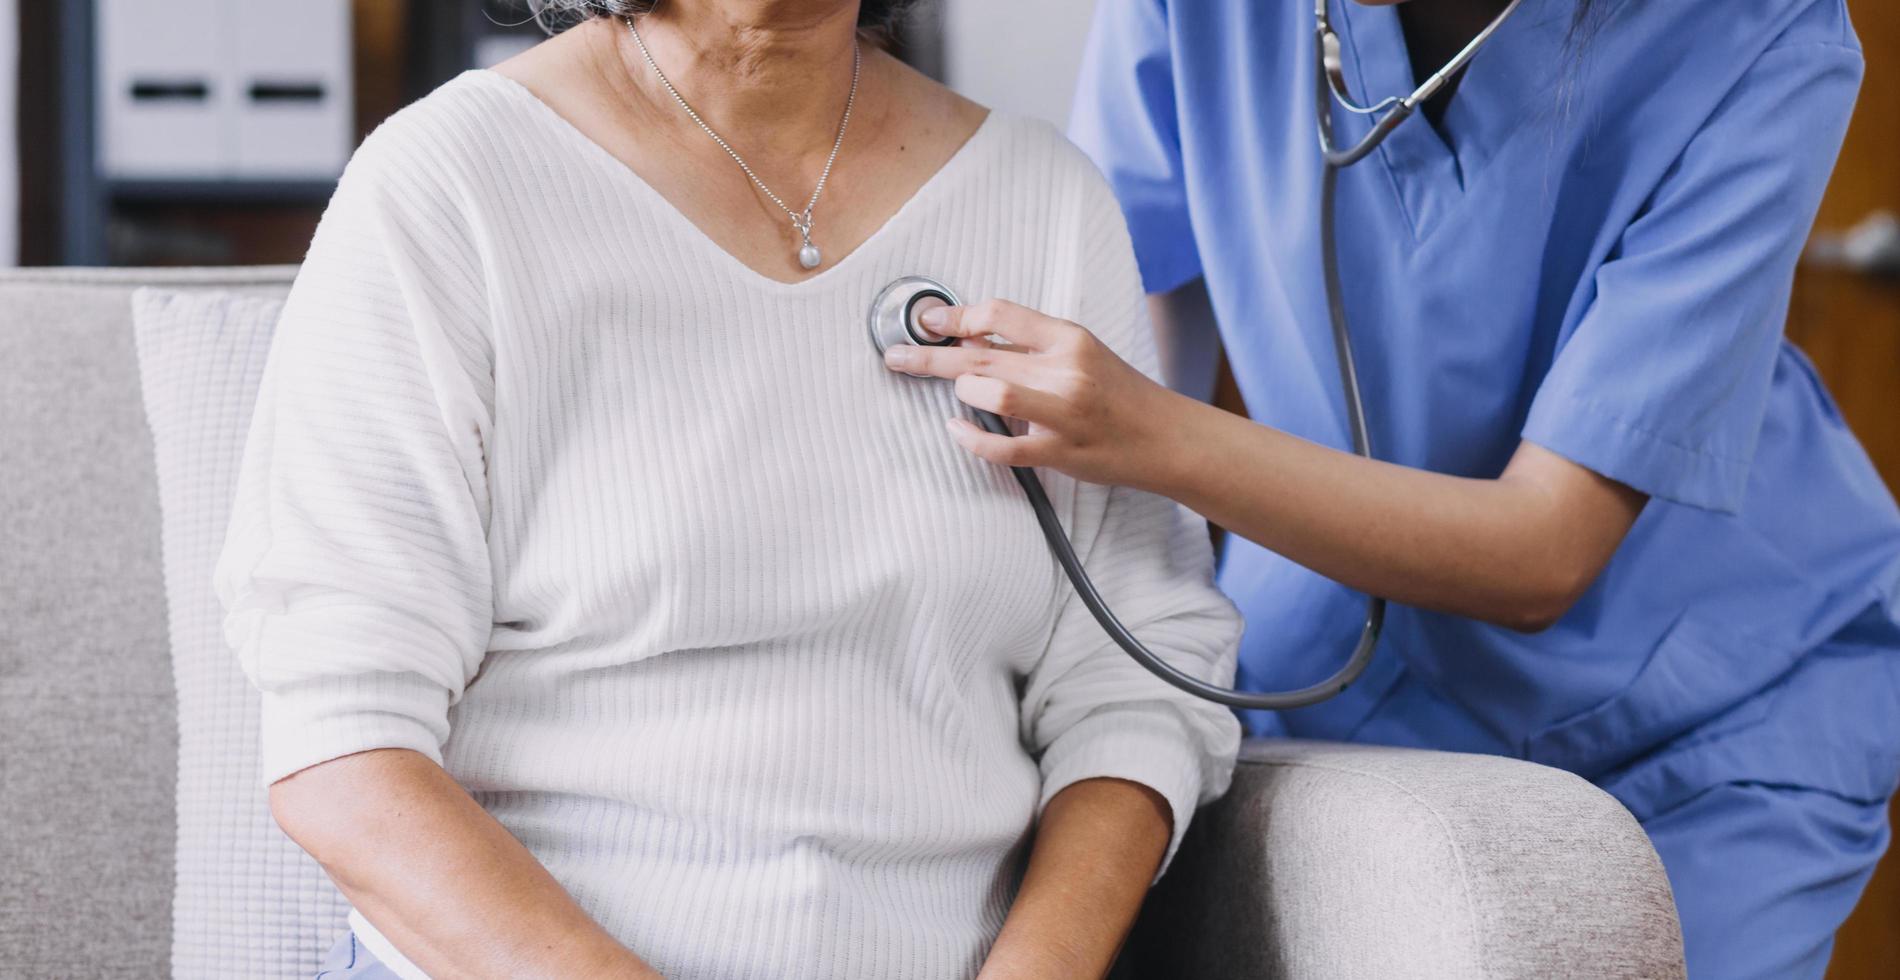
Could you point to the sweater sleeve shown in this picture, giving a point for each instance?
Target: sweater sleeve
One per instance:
(1089, 709)
(355, 569)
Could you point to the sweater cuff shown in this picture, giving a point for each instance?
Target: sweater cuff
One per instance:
(1146, 743)
(322, 718)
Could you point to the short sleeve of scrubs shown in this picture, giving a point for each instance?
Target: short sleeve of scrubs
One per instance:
(1664, 383)
(1124, 119)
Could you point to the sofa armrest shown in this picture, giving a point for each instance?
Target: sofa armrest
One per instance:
(1329, 860)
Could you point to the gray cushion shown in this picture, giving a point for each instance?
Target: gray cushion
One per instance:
(1361, 861)
(88, 747)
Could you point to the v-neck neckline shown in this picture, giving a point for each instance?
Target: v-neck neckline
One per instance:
(1431, 168)
(960, 160)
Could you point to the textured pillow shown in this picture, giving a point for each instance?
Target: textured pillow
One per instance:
(249, 903)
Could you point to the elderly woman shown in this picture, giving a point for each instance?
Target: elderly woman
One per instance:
(616, 612)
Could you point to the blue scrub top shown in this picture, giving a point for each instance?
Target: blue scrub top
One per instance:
(1594, 254)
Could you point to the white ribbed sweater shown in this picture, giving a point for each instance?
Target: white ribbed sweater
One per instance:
(658, 560)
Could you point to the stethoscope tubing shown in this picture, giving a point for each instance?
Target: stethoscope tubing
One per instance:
(1064, 550)
(1085, 590)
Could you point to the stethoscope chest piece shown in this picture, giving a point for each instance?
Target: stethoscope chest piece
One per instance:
(893, 315)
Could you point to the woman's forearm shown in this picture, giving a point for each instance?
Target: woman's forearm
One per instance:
(1516, 550)
(437, 875)
(1097, 846)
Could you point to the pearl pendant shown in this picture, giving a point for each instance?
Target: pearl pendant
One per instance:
(808, 256)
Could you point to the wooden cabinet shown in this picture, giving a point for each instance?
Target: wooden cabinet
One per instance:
(1849, 323)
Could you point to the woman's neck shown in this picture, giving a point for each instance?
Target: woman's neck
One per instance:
(766, 74)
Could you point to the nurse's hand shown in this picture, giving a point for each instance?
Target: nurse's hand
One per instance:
(1091, 414)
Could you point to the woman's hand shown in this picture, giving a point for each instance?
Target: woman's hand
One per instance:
(1091, 415)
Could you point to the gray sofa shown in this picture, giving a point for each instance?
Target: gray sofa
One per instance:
(1323, 861)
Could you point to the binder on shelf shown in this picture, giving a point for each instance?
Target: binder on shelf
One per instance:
(290, 72)
(215, 90)
(160, 98)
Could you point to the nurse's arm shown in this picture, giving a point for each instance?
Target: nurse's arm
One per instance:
(1516, 550)
(1185, 327)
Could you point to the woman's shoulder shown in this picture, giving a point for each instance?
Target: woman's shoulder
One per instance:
(459, 124)
(1036, 150)
(451, 143)
(1028, 142)
(425, 178)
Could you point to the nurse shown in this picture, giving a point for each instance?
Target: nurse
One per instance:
(1622, 527)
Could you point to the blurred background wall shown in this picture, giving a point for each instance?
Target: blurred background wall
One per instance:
(1021, 55)
(169, 133)
(210, 132)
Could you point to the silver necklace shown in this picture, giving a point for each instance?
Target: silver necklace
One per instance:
(808, 254)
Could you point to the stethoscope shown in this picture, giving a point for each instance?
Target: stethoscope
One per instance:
(893, 321)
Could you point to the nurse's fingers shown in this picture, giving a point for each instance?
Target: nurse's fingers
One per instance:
(955, 362)
(1010, 400)
(1034, 449)
(994, 343)
(1022, 326)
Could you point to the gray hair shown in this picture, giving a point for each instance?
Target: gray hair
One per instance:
(555, 15)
